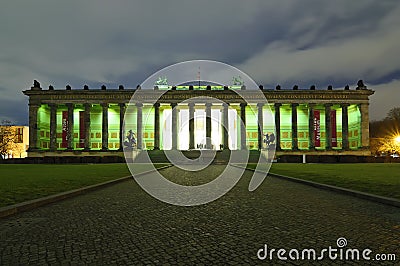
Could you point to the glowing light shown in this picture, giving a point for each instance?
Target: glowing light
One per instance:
(397, 139)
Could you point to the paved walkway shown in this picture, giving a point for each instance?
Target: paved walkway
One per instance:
(122, 224)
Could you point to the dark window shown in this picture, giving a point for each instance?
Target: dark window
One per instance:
(19, 137)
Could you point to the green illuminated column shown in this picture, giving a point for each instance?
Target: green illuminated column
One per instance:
(87, 126)
(277, 107)
(53, 126)
(70, 131)
(122, 110)
(139, 122)
(243, 126)
(191, 126)
(33, 125)
(328, 127)
(295, 145)
(345, 126)
(174, 125)
(260, 125)
(156, 126)
(364, 126)
(311, 126)
(225, 125)
(104, 128)
(208, 125)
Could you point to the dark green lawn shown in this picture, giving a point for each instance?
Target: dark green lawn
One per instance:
(21, 182)
(380, 179)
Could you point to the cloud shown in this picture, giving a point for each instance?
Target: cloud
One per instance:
(386, 97)
(122, 42)
(365, 54)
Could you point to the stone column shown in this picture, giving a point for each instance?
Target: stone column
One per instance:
(156, 126)
(139, 126)
(53, 127)
(260, 125)
(33, 126)
(87, 126)
(225, 127)
(277, 107)
(311, 135)
(174, 124)
(328, 127)
(70, 131)
(364, 126)
(295, 143)
(243, 126)
(345, 126)
(208, 126)
(122, 110)
(191, 126)
(104, 128)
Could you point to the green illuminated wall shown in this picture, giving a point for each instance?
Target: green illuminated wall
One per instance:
(303, 127)
(148, 127)
(96, 118)
(43, 120)
(113, 127)
(354, 126)
(286, 126)
(251, 127)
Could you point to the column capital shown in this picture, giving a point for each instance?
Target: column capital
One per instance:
(208, 104)
(344, 105)
(328, 104)
(139, 104)
(295, 104)
(122, 104)
(225, 104)
(311, 105)
(260, 104)
(173, 105)
(191, 104)
(104, 105)
(243, 104)
(156, 105)
(277, 105)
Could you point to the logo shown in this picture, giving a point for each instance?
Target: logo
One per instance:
(225, 116)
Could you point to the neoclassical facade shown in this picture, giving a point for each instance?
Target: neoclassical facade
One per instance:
(98, 122)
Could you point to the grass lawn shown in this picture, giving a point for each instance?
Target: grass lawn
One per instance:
(378, 178)
(21, 182)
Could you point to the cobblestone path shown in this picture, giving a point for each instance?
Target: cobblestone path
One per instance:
(122, 224)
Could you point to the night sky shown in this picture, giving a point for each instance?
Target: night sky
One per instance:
(123, 42)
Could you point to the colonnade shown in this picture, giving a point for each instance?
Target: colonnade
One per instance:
(33, 125)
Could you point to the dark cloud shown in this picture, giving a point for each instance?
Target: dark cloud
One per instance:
(123, 42)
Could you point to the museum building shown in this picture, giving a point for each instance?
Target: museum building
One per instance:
(103, 122)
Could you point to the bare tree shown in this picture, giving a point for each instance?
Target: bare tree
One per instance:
(7, 138)
(394, 114)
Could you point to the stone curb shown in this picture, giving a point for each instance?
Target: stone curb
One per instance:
(354, 193)
(35, 203)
